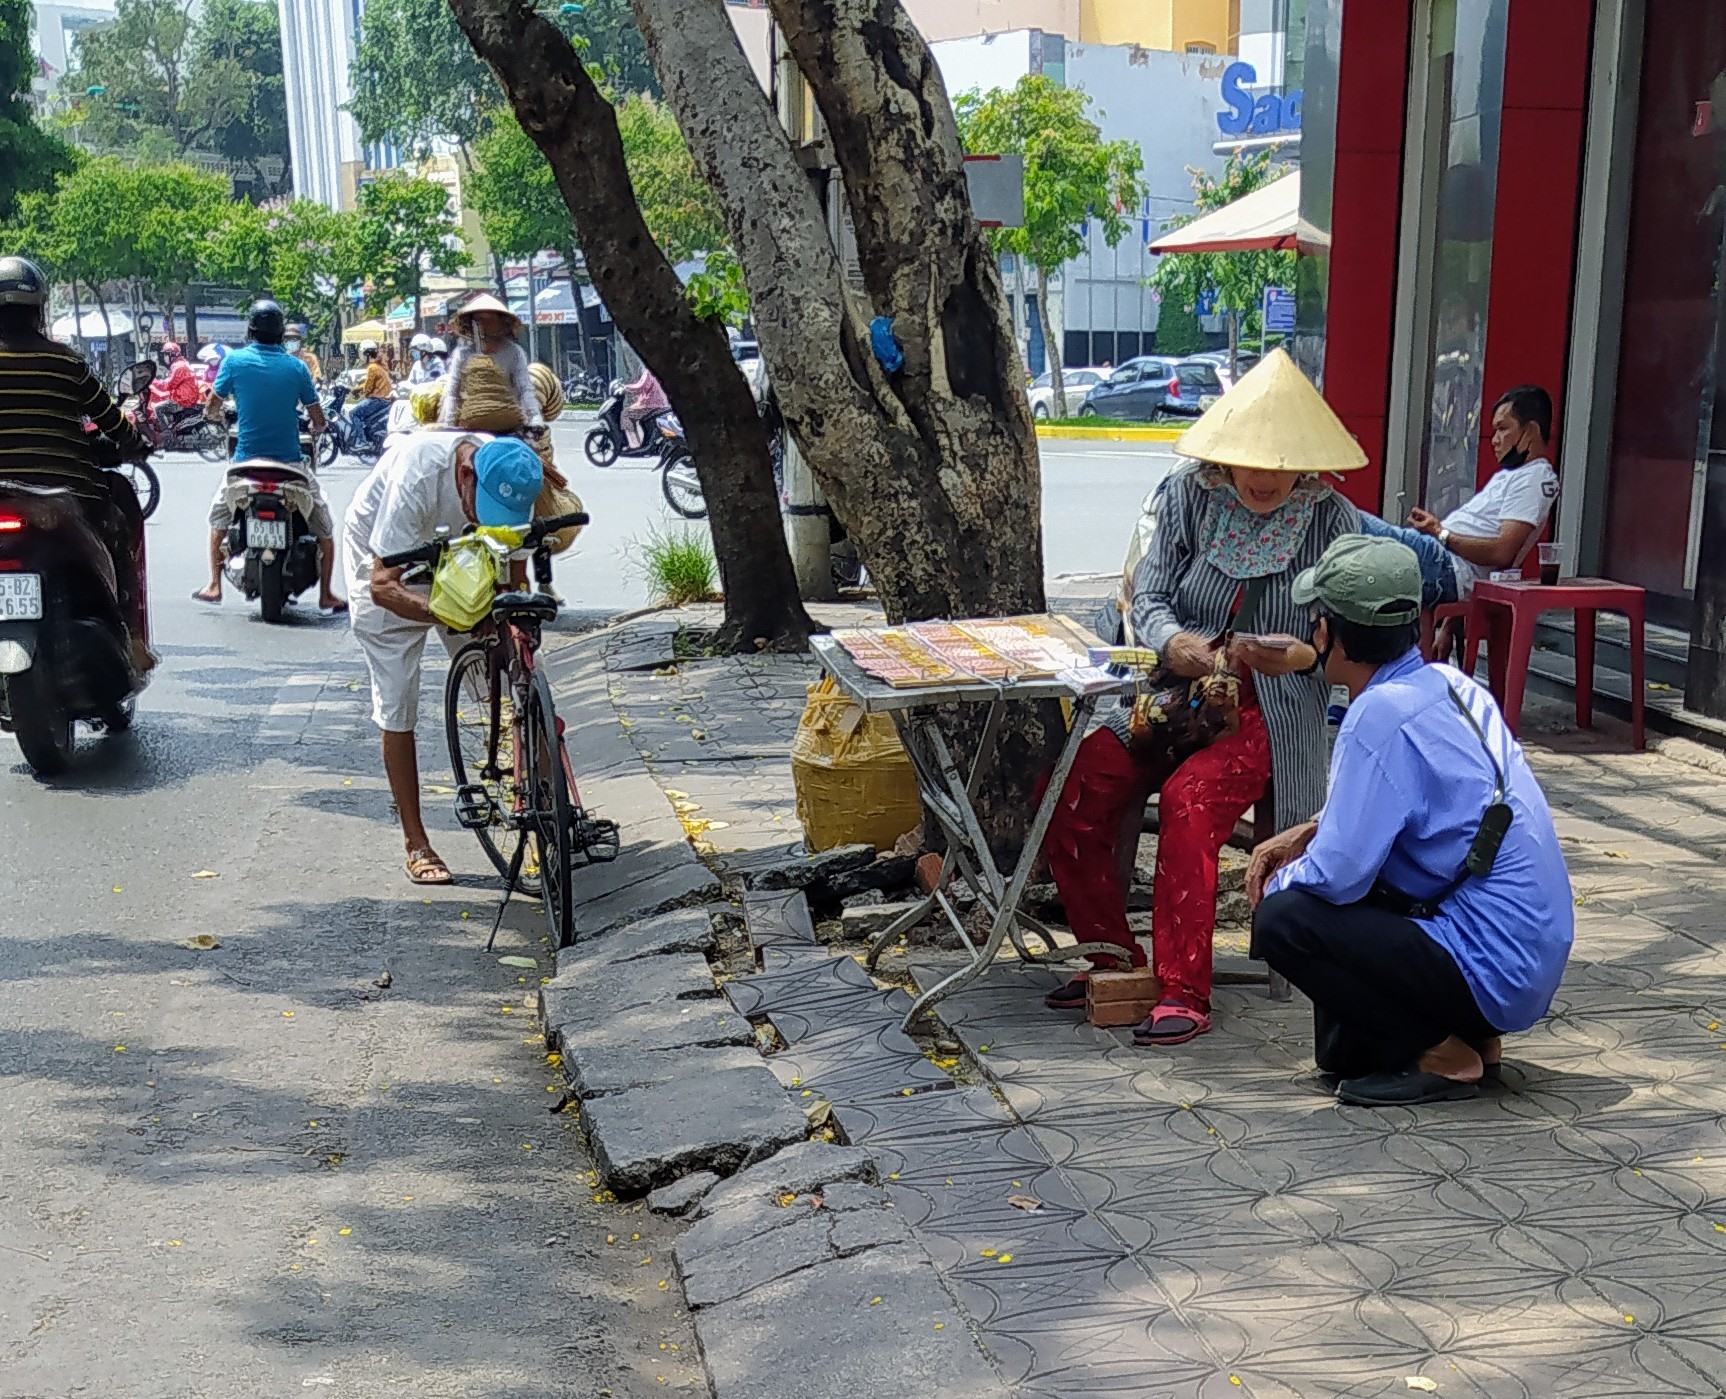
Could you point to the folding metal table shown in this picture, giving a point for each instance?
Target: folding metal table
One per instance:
(948, 793)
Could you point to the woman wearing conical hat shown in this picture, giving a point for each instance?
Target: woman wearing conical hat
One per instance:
(488, 387)
(1247, 512)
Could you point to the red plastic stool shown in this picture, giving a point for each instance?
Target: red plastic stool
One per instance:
(1504, 614)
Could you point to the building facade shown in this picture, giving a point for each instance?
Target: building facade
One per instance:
(317, 53)
(1507, 191)
(54, 37)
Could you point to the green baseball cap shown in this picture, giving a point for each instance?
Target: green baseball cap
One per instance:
(1375, 582)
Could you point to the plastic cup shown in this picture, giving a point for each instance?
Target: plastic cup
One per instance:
(1551, 560)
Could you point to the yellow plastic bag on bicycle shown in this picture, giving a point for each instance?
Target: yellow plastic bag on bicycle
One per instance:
(464, 584)
(854, 783)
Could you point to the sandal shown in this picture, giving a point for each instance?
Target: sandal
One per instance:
(1169, 1023)
(426, 867)
(1070, 996)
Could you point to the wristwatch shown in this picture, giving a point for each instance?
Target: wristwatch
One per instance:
(1444, 538)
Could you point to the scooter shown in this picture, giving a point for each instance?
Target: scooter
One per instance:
(65, 643)
(272, 552)
(678, 479)
(607, 441)
(344, 436)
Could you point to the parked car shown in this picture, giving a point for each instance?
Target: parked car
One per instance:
(1078, 383)
(1150, 389)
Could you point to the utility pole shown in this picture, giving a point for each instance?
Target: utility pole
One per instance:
(808, 528)
(532, 315)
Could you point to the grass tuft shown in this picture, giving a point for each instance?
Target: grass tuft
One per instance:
(679, 565)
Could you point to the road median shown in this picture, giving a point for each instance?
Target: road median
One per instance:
(1108, 432)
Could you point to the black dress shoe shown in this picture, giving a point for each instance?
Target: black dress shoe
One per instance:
(1402, 1088)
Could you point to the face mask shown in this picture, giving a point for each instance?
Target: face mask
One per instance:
(292, 346)
(1323, 652)
(1514, 458)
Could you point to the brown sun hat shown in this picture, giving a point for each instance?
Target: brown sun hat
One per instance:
(485, 301)
(1273, 420)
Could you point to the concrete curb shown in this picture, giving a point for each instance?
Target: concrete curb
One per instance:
(1111, 434)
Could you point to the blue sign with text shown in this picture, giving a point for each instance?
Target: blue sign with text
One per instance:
(1263, 115)
(1279, 311)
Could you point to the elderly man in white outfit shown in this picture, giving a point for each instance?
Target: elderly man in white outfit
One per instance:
(422, 482)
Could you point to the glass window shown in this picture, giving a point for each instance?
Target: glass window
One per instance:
(1126, 374)
(1668, 378)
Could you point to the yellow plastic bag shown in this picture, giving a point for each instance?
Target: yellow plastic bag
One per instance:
(854, 783)
(464, 584)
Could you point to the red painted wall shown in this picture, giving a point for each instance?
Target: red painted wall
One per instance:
(1540, 159)
(1367, 210)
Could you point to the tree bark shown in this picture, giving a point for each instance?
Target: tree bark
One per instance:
(561, 108)
(1050, 348)
(932, 467)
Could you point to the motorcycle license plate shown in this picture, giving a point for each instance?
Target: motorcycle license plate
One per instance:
(266, 534)
(20, 597)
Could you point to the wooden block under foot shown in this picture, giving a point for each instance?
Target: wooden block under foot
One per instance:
(1120, 998)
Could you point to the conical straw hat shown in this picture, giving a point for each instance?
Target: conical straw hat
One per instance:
(1273, 420)
(483, 302)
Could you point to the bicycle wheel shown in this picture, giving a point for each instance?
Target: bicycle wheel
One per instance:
(145, 486)
(211, 441)
(553, 816)
(477, 723)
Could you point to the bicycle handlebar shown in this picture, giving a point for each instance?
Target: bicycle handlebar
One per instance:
(534, 536)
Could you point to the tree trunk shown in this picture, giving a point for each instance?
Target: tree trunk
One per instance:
(191, 346)
(1234, 344)
(561, 108)
(107, 370)
(932, 467)
(1050, 348)
(78, 324)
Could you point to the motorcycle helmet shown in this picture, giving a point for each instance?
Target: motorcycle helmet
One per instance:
(210, 354)
(22, 283)
(265, 323)
(438, 347)
(421, 342)
(368, 347)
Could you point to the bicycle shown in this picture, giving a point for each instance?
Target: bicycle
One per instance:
(513, 777)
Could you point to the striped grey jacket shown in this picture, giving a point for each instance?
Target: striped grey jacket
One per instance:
(1176, 590)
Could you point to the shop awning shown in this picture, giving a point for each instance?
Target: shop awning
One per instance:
(552, 306)
(1267, 220)
(365, 330)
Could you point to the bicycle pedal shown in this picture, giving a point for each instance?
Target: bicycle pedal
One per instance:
(598, 839)
(474, 807)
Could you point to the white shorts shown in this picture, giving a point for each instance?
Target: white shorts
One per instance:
(322, 523)
(394, 649)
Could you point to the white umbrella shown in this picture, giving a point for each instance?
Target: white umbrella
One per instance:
(92, 327)
(1268, 219)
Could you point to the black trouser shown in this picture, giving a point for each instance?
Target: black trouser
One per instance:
(1382, 991)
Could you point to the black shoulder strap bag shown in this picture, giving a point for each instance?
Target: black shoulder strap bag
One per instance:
(1482, 854)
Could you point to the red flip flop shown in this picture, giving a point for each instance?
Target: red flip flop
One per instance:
(1170, 1022)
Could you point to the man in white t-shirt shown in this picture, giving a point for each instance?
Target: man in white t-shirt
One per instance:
(422, 482)
(1496, 529)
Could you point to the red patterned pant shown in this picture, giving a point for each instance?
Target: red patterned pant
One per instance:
(1197, 810)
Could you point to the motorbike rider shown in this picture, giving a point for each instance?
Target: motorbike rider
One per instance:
(643, 401)
(440, 355)
(47, 393)
(178, 391)
(269, 386)
(426, 367)
(377, 391)
(295, 344)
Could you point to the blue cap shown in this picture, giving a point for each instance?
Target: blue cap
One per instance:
(508, 477)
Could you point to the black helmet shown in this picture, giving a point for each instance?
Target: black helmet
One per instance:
(22, 283)
(265, 323)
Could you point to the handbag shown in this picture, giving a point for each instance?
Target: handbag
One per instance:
(1180, 717)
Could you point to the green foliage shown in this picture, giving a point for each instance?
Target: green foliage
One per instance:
(680, 209)
(512, 189)
(403, 225)
(717, 292)
(314, 256)
(606, 33)
(679, 566)
(416, 77)
(177, 213)
(158, 84)
(29, 157)
(1238, 280)
(1071, 173)
(1178, 330)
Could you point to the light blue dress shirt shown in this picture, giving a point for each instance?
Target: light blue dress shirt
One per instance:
(1409, 782)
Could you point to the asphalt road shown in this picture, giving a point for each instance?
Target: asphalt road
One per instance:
(1092, 492)
(252, 1171)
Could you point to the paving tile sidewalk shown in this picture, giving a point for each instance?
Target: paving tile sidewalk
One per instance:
(1210, 1222)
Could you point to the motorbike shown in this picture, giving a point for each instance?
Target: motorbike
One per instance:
(172, 428)
(607, 441)
(678, 479)
(344, 436)
(584, 386)
(272, 552)
(65, 644)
